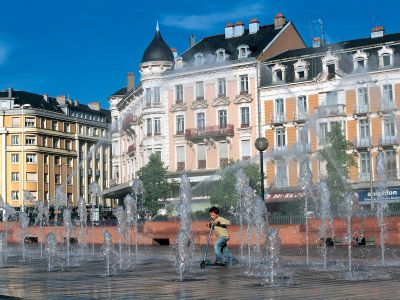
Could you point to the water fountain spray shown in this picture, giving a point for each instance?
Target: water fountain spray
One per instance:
(260, 227)
(23, 222)
(3, 250)
(60, 200)
(381, 203)
(137, 192)
(273, 249)
(325, 215)
(41, 217)
(108, 252)
(67, 229)
(242, 181)
(184, 239)
(122, 228)
(305, 182)
(8, 214)
(94, 191)
(51, 250)
(349, 201)
(82, 236)
(130, 216)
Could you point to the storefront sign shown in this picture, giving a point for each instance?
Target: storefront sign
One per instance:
(282, 197)
(390, 195)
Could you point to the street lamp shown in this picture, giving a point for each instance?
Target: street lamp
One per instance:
(22, 107)
(261, 145)
(368, 82)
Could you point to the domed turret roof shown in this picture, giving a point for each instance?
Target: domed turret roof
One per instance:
(158, 50)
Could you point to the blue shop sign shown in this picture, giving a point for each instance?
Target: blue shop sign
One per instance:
(390, 195)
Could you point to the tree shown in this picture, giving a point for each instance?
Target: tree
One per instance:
(223, 194)
(154, 177)
(338, 163)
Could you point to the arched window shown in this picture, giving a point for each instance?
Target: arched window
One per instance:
(243, 51)
(198, 59)
(301, 70)
(178, 63)
(220, 53)
(278, 73)
(360, 59)
(385, 57)
(330, 65)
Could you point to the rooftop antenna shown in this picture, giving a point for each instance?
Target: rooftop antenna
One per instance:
(321, 27)
(157, 27)
(372, 18)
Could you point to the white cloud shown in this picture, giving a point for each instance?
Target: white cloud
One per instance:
(209, 21)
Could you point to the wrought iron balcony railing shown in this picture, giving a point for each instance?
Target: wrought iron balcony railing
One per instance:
(360, 143)
(388, 141)
(209, 132)
(331, 110)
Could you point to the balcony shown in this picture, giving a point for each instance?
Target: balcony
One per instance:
(326, 111)
(391, 174)
(305, 148)
(131, 150)
(360, 110)
(129, 121)
(300, 117)
(359, 143)
(244, 125)
(180, 166)
(278, 151)
(387, 106)
(281, 182)
(278, 119)
(387, 141)
(209, 132)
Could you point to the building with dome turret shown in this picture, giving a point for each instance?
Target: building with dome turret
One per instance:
(197, 109)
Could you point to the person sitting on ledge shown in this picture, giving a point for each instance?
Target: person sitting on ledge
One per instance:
(221, 247)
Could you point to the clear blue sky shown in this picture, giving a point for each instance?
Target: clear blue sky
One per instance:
(85, 48)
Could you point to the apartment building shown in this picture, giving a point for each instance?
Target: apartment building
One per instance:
(305, 91)
(49, 143)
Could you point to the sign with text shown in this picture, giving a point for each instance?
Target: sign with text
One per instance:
(390, 195)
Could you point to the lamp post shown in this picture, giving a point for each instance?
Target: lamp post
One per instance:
(368, 82)
(22, 107)
(261, 145)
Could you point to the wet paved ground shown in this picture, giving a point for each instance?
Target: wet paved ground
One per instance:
(155, 278)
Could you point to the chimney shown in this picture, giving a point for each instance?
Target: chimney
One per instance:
(377, 31)
(10, 91)
(192, 40)
(239, 28)
(61, 99)
(94, 105)
(254, 26)
(46, 97)
(174, 52)
(279, 21)
(76, 103)
(316, 43)
(131, 81)
(229, 29)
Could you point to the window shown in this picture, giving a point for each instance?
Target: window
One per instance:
(360, 64)
(66, 127)
(386, 60)
(4, 104)
(158, 152)
(178, 63)
(69, 161)
(179, 93)
(180, 158)
(149, 127)
(332, 98)
(15, 140)
(243, 51)
(300, 74)
(68, 145)
(278, 75)
(387, 94)
(57, 179)
(244, 117)
(43, 123)
(56, 143)
(391, 164)
(14, 195)
(30, 140)
(148, 97)
(198, 59)
(364, 166)
(245, 149)
(303, 137)
(157, 95)
(45, 141)
(46, 177)
(220, 55)
(46, 159)
(95, 132)
(360, 59)
(31, 158)
(69, 180)
(331, 70)
(15, 122)
(31, 177)
(244, 84)
(200, 120)
(280, 134)
(389, 129)
(363, 99)
(200, 90)
(281, 174)
(14, 158)
(180, 125)
(57, 161)
(280, 110)
(301, 69)
(221, 87)
(29, 122)
(323, 132)
(364, 131)
(201, 156)
(385, 57)
(81, 129)
(302, 106)
(222, 118)
(54, 125)
(14, 176)
(223, 154)
(157, 126)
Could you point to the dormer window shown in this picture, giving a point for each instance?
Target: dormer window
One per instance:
(278, 73)
(178, 63)
(301, 70)
(220, 54)
(330, 65)
(360, 59)
(243, 51)
(198, 59)
(331, 69)
(385, 57)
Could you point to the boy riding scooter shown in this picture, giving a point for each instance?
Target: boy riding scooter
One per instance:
(219, 224)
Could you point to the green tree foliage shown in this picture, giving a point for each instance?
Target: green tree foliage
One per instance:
(223, 194)
(338, 163)
(154, 177)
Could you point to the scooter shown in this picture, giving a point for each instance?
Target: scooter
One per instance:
(206, 262)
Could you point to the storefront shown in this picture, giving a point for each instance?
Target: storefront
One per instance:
(391, 195)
